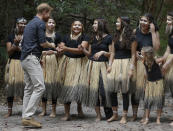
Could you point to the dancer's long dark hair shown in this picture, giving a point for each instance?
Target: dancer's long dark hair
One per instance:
(102, 29)
(151, 20)
(127, 35)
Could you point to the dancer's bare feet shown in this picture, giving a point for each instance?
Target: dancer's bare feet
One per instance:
(99, 118)
(7, 115)
(80, 111)
(53, 114)
(10, 106)
(171, 119)
(134, 118)
(158, 121)
(66, 118)
(171, 124)
(42, 114)
(123, 120)
(135, 111)
(81, 115)
(146, 121)
(113, 118)
(142, 120)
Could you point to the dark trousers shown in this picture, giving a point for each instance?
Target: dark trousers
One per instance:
(108, 111)
(114, 100)
(10, 99)
(134, 100)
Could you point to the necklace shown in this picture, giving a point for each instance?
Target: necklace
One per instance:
(75, 37)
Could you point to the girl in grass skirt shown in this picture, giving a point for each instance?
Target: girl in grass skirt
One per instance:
(14, 76)
(154, 89)
(50, 67)
(146, 35)
(167, 59)
(118, 76)
(98, 53)
(72, 69)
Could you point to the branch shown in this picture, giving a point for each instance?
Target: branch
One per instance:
(160, 9)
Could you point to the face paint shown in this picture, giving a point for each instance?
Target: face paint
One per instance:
(21, 20)
(118, 24)
(51, 24)
(22, 24)
(95, 25)
(169, 21)
(77, 26)
(20, 27)
(143, 22)
(169, 29)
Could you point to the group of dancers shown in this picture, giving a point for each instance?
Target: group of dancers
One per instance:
(90, 70)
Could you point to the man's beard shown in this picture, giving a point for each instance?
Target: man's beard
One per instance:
(169, 29)
(45, 19)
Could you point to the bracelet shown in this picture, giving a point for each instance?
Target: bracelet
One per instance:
(110, 64)
(146, 119)
(131, 66)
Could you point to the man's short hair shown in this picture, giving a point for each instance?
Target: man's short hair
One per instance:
(43, 7)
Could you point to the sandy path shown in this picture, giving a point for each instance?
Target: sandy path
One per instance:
(88, 123)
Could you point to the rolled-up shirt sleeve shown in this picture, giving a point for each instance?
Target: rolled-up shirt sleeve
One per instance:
(41, 33)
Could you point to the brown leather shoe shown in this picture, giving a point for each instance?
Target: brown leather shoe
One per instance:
(31, 122)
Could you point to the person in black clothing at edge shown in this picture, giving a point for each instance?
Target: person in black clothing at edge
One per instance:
(14, 76)
(119, 66)
(98, 52)
(167, 59)
(73, 64)
(146, 35)
(50, 67)
(34, 40)
(154, 87)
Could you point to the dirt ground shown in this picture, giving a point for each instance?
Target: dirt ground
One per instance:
(88, 123)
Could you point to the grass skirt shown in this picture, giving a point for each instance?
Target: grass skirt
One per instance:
(169, 76)
(72, 79)
(14, 78)
(50, 70)
(154, 95)
(96, 71)
(140, 80)
(118, 77)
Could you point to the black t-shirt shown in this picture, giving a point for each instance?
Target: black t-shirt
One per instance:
(56, 40)
(143, 39)
(34, 35)
(16, 54)
(170, 43)
(121, 53)
(98, 46)
(155, 73)
(74, 44)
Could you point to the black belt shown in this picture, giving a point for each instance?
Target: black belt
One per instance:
(38, 55)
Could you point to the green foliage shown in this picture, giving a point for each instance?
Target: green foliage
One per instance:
(3, 55)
